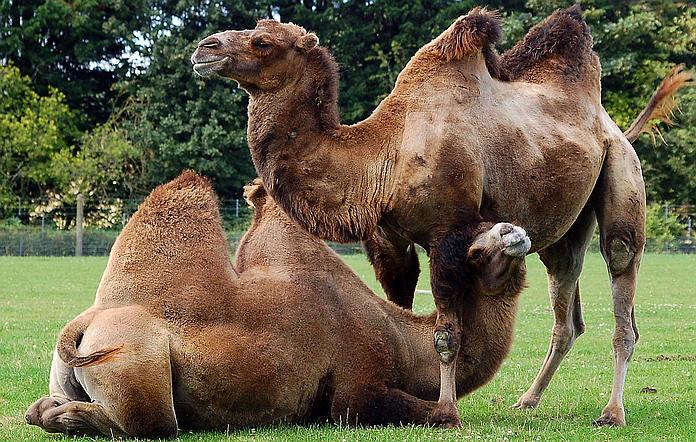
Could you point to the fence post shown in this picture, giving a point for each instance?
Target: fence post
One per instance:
(236, 207)
(79, 219)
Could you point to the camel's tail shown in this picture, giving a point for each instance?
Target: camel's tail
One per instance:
(661, 105)
(72, 335)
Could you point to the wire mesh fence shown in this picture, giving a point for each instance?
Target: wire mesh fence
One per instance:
(49, 228)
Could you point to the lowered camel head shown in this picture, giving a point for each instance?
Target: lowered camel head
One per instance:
(496, 258)
(265, 58)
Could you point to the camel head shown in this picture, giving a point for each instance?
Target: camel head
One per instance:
(264, 58)
(496, 258)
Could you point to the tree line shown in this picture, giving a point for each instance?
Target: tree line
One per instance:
(98, 96)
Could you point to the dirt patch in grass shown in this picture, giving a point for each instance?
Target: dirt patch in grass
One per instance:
(670, 358)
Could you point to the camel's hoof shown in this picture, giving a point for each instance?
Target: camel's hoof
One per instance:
(445, 345)
(611, 418)
(35, 412)
(32, 417)
(526, 401)
(515, 241)
(445, 416)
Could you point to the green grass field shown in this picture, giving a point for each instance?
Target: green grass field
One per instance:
(39, 295)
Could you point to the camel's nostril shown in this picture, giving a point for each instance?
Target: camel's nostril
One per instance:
(505, 229)
(210, 43)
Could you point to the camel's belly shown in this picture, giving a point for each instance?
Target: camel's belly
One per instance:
(544, 185)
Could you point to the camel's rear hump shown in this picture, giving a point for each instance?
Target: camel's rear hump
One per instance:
(174, 240)
(557, 49)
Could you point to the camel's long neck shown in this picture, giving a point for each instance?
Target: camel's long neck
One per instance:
(334, 180)
(487, 337)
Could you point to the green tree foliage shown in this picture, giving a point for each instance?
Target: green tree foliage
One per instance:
(181, 121)
(34, 129)
(106, 165)
(76, 46)
(662, 226)
(94, 51)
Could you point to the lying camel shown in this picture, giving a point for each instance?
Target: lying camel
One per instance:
(179, 338)
(466, 136)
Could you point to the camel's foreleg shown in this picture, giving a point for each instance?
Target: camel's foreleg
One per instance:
(505, 246)
(447, 265)
(396, 266)
(563, 261)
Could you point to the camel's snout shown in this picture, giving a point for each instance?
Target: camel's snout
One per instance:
(213, 53)
(211, 42)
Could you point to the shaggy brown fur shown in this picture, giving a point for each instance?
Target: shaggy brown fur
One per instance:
(450, 147)
(294, 336)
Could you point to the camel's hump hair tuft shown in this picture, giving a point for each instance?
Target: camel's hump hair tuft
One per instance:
(476, 31)
(564, 34)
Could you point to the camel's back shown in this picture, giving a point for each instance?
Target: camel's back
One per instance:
(518, 138)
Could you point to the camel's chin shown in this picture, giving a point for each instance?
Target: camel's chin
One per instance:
(210, 68)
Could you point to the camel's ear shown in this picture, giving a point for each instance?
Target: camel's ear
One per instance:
(255, 193)
(307, 41)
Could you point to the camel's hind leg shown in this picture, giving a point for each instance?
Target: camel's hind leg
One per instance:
(563, 261)
(129, 394)
(60, 415)
(395, 261)
(619, 202)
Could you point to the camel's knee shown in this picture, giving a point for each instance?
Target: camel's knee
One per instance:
(620, 254)
(447, 339)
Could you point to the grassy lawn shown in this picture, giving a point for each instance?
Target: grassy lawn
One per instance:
(39, 295)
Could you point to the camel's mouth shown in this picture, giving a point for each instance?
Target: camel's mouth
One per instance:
(207, 68)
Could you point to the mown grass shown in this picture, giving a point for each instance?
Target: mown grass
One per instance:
(39, 295)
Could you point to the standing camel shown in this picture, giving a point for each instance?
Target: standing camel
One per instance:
(465, 136)
(179, 338)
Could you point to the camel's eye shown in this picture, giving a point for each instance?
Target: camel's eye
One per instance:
(262, 44)
(476, 256)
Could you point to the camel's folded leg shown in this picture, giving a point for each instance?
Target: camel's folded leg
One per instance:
(127, 395)
(60, 415)
(379, 406)
(68, 409)
(563, 261)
